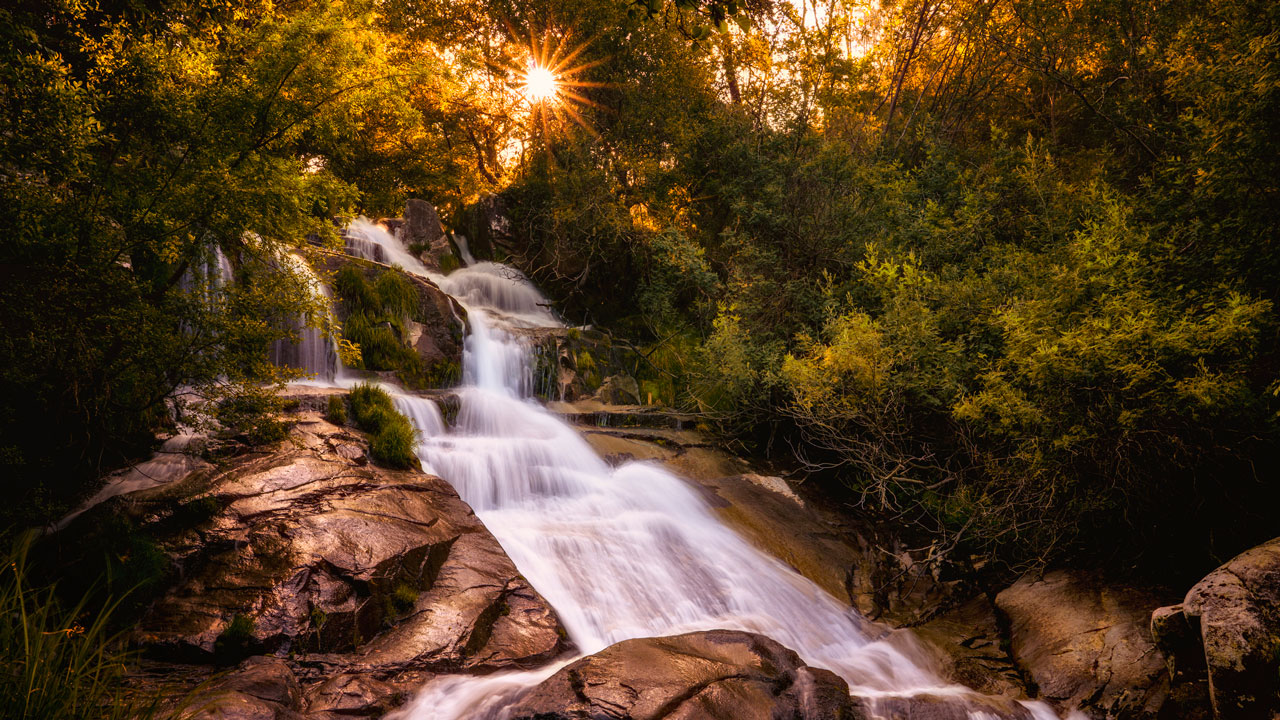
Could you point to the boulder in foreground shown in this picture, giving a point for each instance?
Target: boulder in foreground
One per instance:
(1227, 630)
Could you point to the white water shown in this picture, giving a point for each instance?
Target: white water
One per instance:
(463, 249)
(371, 241)
(497, 289)
(314, 353)
(619, 553)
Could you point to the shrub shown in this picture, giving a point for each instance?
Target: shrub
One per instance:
(375, 316)
(392, 437)
(253, 414)
(236, 641)
(337, 413)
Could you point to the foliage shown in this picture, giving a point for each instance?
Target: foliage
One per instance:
(140, 146)
(376, 313)
(393, 438)
(59, 662)
(1006, 271)
(236, 640)
(337, 410)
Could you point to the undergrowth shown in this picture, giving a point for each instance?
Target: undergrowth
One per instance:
(56, 661)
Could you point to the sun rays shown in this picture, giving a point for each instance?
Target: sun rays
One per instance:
(551, 83)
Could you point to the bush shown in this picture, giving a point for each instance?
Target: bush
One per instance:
(392, 437)
(337, 413)
(236, 641)
(253, 414)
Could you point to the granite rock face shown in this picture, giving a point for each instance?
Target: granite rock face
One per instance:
(1227, 632)
(313, 549)
(718, 674)
(1086, 644)
(421, 230)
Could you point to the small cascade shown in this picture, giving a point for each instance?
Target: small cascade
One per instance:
(314, 353)
(464, 250)
(371, 241)
(423, 413)
(209, 275)
(357, 245)
(501, 289)
(495, 360)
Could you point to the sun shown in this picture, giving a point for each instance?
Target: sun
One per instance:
(551, 84)
(540, 84)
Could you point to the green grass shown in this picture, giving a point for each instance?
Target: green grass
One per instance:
(392, 437)
(375, 315)
(58, 662)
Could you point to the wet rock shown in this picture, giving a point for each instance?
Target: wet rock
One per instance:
(353, 696)
(423, 232)
(1227, 630)
(421, 223)
(968, 645)
(1086, 644)
(953, 706)
(311, 551)
(352, 452)
(720, 674)
(466, 620)
(261, 688)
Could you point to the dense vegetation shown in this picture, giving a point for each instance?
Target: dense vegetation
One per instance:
(59, 662)
(1005, 270)
(376, 308)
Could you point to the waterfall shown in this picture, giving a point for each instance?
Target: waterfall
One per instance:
(371, 241)
(208, 276)
(464, 251)
(501, 290)
(314, 353)
(619, 553)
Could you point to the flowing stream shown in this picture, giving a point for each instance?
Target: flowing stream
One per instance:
(620, 553)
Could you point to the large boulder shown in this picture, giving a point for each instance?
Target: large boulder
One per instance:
(968, 644)
(1227, 630)
(310, 548)
(620, 389)
(422, 232)
(718, 674)
(436, 329)
(1086, 644)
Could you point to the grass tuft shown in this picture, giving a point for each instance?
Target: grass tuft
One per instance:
(392, 437)
(55, 661)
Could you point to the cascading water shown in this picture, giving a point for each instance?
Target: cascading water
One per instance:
(500, 290)
(314, 353)
(371, 241)
(464, 250)
(619, 553)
